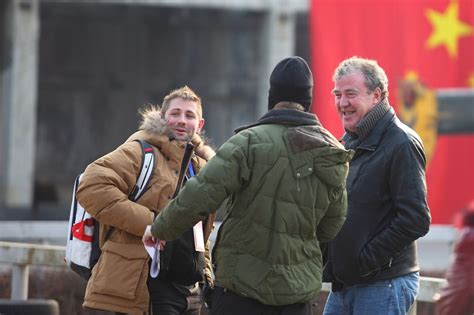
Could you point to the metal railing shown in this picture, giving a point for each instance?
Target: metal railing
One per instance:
(21, 255)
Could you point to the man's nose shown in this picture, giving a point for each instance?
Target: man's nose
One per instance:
(343, 101)
(181, 119)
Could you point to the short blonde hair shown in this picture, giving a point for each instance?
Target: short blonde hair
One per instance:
(186, 94)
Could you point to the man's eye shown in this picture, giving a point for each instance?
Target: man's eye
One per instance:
(351, 95)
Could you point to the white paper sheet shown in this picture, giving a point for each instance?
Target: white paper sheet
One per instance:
(198, 237)
(154, 253)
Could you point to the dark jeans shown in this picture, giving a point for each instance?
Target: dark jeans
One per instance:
(165, 299)
(225, 302)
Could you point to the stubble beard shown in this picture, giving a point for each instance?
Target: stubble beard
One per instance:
(172, 135)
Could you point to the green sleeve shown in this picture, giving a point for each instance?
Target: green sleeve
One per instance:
(222, 176)
(335, 215)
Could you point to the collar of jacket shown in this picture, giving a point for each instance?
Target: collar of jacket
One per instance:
(372, 139)
(284, 117)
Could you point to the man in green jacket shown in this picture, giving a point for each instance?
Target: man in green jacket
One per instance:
(285, 178)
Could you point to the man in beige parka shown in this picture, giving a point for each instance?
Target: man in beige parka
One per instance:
(120, 280)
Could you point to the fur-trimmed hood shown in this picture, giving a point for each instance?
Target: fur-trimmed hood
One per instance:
(154, 130)
(153, 121)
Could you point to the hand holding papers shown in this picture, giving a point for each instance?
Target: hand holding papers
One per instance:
(154, 252)
(152, 246)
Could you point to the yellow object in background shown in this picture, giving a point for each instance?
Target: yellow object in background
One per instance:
(419, 110)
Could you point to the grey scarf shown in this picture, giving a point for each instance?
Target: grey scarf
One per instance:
(365, 126)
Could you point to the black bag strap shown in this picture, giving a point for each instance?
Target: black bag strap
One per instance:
(188, 152)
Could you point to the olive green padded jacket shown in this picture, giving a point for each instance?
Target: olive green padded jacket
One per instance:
(285, 179)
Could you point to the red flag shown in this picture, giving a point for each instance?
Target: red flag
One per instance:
(430, 41)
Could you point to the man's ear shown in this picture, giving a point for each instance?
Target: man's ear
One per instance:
(200, 125)
(377, 95)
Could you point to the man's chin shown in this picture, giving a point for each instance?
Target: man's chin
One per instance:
(182, 137)
(349, 127)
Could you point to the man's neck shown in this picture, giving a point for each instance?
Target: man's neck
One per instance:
(365, 126)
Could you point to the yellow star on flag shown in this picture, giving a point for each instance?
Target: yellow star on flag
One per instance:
(447, 28)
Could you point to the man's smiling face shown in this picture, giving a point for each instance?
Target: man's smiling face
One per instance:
(183, 119)
(353, 100)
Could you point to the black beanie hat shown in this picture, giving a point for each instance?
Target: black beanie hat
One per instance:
(291, 81)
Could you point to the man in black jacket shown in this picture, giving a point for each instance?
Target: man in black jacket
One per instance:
(372, 263)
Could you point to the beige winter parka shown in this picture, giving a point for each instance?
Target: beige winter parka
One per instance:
(118, 281)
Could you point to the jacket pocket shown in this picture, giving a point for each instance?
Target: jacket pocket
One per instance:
(366, 270)
(119, 269)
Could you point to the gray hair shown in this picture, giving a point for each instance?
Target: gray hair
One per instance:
(374, 75)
